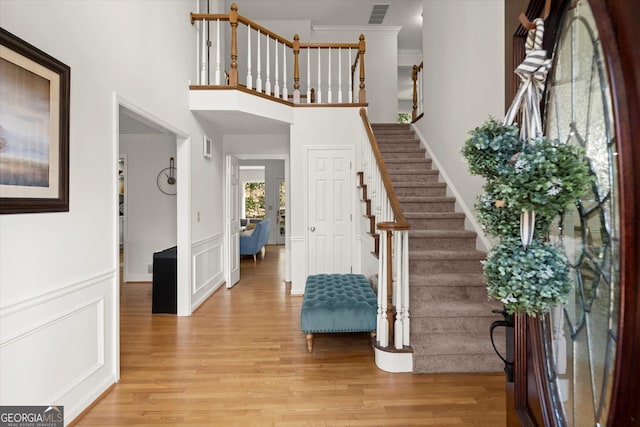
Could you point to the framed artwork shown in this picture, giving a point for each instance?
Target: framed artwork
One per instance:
(207, 146)
(34, 129)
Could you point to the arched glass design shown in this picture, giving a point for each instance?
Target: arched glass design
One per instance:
(580, 337)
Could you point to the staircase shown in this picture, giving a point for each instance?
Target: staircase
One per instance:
(450, 312)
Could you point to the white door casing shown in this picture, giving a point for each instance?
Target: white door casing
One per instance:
(232, 220)
(329, 230)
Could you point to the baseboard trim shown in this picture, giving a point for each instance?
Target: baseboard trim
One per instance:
(88, 409)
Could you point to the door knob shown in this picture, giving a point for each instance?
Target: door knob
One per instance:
(312, 229)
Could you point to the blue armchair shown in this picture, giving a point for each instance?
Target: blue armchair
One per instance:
(251, 245)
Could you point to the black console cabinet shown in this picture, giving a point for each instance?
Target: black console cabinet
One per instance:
(165, 277)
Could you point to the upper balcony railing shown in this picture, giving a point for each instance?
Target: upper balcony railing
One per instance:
(334, 72)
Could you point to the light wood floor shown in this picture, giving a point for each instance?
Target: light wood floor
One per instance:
(241, 360)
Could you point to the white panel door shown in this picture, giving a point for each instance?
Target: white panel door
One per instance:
(233, 220)
(329, 208)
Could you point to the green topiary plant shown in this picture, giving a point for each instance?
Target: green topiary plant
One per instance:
(531, 280)
(502, 220)
(541, 177)
(545, 177)
(490, 147)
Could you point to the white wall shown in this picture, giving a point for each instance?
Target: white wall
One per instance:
(381, 65)
(151, 216)
(464, 83)
(311, 129)
(59, 271)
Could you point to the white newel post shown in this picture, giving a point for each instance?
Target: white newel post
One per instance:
(397, 290)
(383, 325)
(406, 322)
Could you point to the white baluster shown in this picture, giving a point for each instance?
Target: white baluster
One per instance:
(267, 83)
(319, 91)
(339, 75)
(249, 78)
(276, 86)
(383, 325)
(406, 321)
(308, 76)
(258, 60)
(217, 77)
(397, 289)
(203, 56)
(329, 96)
(285, 93)
(350, 95)
(198, 29)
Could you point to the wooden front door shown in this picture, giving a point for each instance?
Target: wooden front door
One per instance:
(578, 365)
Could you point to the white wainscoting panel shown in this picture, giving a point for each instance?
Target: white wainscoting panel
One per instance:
(207, 265)
(298, 265)
(60, 348)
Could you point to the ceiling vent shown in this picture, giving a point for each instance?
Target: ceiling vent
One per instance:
(378, 13)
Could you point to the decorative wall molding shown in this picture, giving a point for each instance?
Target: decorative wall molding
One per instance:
(75, 327)
(58, 293)
(207, 264)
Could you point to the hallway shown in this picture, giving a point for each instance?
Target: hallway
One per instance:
(241, 360)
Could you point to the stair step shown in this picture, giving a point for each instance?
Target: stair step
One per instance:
(457, 363)
(406, 154)
(414, 175)
(469, 325)
(452, 343)
(448, 279)
(427, 204)
(441, 261)
(420, 189)
(455, 309)
(435, 220)
(442, 240)
(394, 146)
(400, 139)
(443, 294)
(412, 164)
(391, 127)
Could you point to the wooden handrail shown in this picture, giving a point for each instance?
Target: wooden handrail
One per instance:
(400, 222)
(255, 26)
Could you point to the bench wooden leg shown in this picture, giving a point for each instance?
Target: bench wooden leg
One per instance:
(309, 342)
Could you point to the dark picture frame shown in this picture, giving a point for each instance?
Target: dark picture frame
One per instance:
(34, 129)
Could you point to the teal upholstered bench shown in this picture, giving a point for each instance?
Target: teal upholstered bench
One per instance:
(337, 303)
